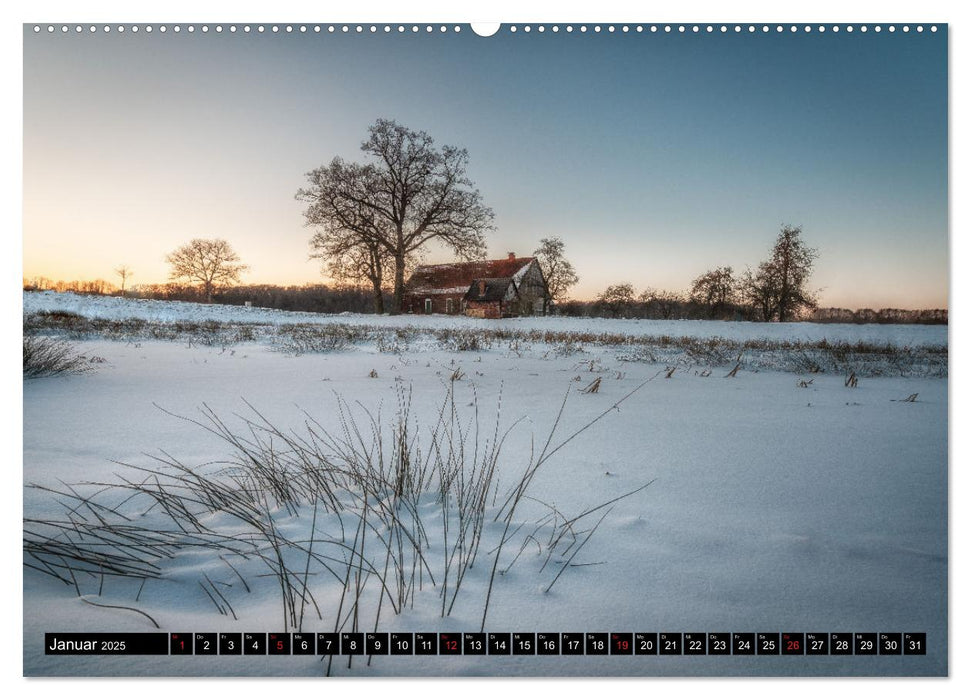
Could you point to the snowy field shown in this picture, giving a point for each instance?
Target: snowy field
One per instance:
(762, 501)
(115, 308)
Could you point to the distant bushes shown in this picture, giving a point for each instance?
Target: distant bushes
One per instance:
(672, 306)
(315, 298)
(906, 316)
(661, 306)
(97, 287)
(650, 304)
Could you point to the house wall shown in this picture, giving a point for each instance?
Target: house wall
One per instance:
(484, 309)
(532, 292)
(528, 297)
(415, 303)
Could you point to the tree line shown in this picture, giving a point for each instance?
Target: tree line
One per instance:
(315, 298)
(777, 290)
(322, 298)
(372, 220)
(623, 301)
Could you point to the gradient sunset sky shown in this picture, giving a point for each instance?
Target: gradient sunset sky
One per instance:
(654, 156)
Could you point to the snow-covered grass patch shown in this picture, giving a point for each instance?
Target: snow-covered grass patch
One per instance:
(117, 308)
(371, 516)
(49, 357)
(871, 353)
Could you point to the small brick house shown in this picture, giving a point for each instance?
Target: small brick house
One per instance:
(484, 289)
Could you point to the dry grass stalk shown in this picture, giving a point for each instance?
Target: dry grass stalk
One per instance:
(592, 388)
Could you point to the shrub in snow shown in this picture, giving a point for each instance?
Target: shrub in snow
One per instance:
(47, 357)
(464, 340)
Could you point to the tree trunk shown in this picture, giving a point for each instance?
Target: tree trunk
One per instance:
(399, 283)
(378, 297)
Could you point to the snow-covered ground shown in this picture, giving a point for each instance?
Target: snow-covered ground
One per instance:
(772, 506)
(116, 308)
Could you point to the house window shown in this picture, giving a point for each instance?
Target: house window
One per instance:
(450, 306)
(428, 306)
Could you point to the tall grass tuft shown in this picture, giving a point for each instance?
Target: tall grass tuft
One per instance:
(372, 515)
(48, 357)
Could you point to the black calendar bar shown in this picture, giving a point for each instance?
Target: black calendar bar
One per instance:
(107, 644)
(631, 644)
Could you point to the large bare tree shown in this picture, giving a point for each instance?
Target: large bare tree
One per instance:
(409, 194)
(557, 270)
(779, 289)
(212, 263)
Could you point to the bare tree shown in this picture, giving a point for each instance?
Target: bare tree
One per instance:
(779, 289)
(759, 291)
(557, 270)
(411, 193)
(348, 260)
(617, 299)
(212, 263)
(792, 263)
(661, 303)
(716, 289)
(124, 272)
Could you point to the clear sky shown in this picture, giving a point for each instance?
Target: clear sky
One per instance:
(653, 156)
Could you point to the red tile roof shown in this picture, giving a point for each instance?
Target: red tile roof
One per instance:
(456, 277)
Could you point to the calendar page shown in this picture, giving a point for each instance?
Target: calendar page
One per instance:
(526, 349)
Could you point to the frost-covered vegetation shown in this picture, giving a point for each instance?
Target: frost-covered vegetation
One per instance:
(874, 351)
(371, 516)
(47, 357)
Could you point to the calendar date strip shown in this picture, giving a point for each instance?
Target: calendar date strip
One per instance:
(487, 643)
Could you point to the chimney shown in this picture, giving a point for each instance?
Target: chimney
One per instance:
(512, 256)
(481, 288)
